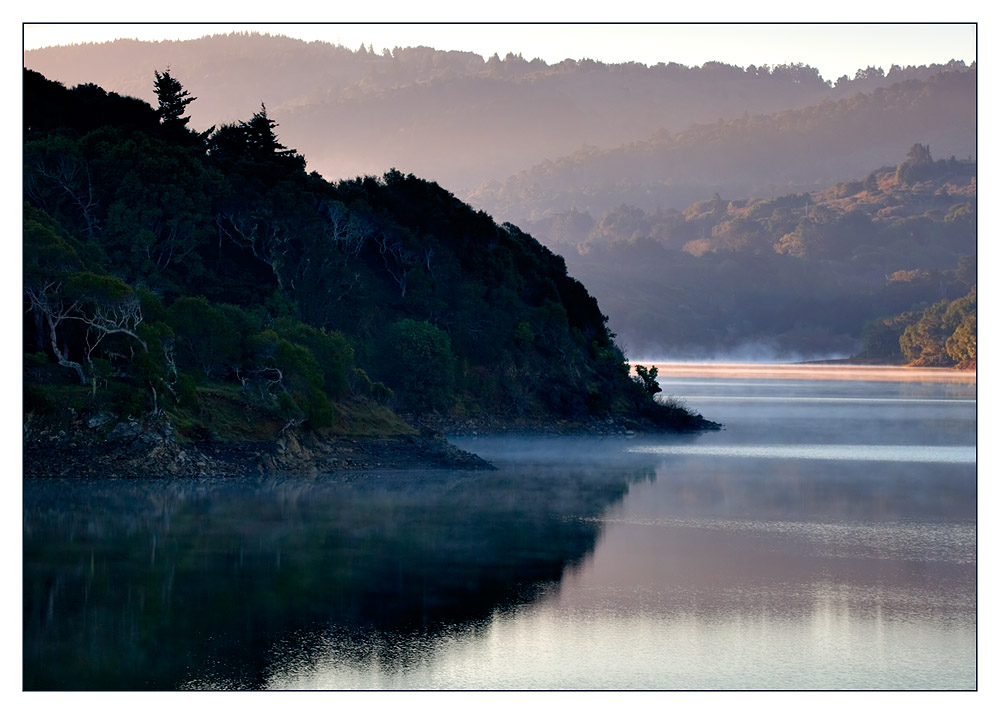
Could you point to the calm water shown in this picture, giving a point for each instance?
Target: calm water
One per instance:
(825, 540)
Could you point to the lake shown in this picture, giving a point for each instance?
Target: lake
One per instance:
(825, 539)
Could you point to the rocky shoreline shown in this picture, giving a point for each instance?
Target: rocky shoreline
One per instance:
(133, 450)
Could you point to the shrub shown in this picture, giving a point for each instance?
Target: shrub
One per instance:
(187, 391)
(421, 365)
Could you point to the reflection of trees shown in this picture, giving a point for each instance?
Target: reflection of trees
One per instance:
(149, 585)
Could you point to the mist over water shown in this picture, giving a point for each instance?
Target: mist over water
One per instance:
(825, 539)
(745, 353)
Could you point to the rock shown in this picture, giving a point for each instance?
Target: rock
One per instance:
(99, 420)
(124, 431)
(150, 450)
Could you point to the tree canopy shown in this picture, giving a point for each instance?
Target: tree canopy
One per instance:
(164, 266)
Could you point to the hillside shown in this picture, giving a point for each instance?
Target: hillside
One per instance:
(796, 276)
(455, 117)
(207, 279)
(795, 150)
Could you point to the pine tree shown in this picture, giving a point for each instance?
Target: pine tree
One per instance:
(262, 142)
(173, 99)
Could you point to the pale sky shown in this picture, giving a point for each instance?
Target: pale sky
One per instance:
(833, 49)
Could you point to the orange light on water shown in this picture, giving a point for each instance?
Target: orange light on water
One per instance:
(865, 373)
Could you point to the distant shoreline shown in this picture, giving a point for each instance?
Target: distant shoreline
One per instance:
(828, 369)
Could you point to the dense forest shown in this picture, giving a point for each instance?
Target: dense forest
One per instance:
(207, 276)
(793, 277)
(464, 120)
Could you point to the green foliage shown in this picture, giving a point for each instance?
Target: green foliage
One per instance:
(125, 400)
(880, 338)
(944, 335)
(36, 358)
(221, 273)
(152, 306)
(207, 343)
(319, 412)
(96, 288)
(37, 400)
(160, 209)
(961, 346)
(377, 391)
(187, 391)
(420, 365)
(647, 379)
(523, 333)
(333, 354)
(46, 252)
(299, 370)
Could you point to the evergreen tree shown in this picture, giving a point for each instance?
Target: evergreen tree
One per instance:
(253, 141)
(262, 143)
(173, 100)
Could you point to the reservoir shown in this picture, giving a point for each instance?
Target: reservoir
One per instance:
(825, 539)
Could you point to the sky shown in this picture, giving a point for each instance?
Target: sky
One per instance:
(833, 49)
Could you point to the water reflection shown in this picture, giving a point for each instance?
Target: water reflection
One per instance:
(823, 541)
(728, 580)
(825, 452)
(550, 648)
(160, 585)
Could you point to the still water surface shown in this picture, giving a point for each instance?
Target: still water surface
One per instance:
(825, 540)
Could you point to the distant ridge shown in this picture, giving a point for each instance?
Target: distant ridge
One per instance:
(452, 117)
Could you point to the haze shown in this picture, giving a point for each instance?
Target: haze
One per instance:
(834, 49)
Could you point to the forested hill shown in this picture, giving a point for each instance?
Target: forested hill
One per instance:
(806, 275)
(761, 155)
(208, 276)
(455, 117)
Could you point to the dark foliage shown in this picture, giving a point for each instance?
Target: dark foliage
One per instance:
(160, 262)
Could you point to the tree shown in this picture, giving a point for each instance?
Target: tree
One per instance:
(919, 154)
(262, 142)
(961, 346)
(57, 178)
(173, 100)
(945, 334)
(421, 364)
(880, 337)
(253, 141)
(158, 206)
(207, 341)
(919, 165)
(331, 351)
(647, 379)
(103, 304)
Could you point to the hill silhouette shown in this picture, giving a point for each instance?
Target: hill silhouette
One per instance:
(453, 117)
(202, 277)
